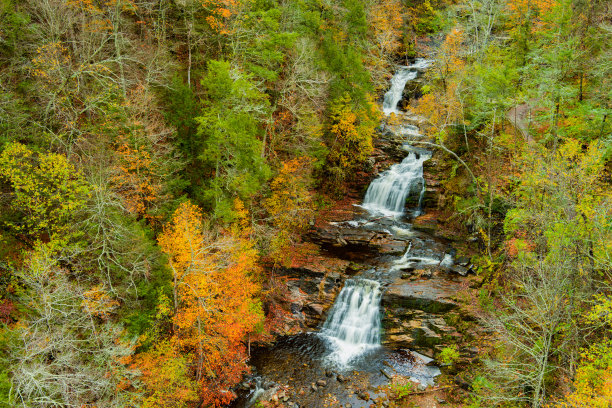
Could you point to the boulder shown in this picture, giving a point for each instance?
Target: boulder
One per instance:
(460, 270)
(463, 261)
(316, 308)
(432, 296)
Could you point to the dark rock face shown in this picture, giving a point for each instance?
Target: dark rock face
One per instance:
(415, 311)
(432, 296)
(412, 91)
(341, 239)
(463, 261)
(390, 147)
(312, 291)
(461, 270)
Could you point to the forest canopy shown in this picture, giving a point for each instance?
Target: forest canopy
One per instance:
(161, 161)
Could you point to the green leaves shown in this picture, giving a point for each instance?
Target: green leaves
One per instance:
(230, 129)
(260, 44)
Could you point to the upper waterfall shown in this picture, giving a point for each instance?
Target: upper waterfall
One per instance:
(398, 83)
(387, 194)
(353, 323)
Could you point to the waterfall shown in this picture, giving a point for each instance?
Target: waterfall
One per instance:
(353, 324)
(387, 194)
(398, 83)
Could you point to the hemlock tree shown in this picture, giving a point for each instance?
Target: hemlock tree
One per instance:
(231, 131)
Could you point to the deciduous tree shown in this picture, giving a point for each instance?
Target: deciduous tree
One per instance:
(289, 206)
(350, 134)
(66, 351)
(44, 190)
(214, 301)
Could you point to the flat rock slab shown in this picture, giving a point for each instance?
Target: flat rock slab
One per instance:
(346, 237)
(432, 296)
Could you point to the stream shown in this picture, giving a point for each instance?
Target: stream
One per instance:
(388, 315)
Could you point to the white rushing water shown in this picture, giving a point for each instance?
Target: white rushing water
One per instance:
(353, 324)
(408, 260)
(387, 194)
(398, 83)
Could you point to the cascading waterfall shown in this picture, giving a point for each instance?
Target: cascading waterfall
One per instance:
(387, 194)
(350, 338)
(353, 324)
(398, 83)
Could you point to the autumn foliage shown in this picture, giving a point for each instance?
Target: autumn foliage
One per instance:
(387, 19)
(441, 105)
(351, 132)
(289, 206)
(593, 382)
(45, 189)
(214, 302)
(166, 376)
(135, 180)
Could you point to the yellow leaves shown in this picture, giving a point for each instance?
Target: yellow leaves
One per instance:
(564, 204)
(97, 302)
(351, 133)
(214, 297)
(48, 63)
(530, 12)
(165, 375)
(601, 311)
(47, 189)
(183, 238)
(242, 217)
(387, 19)
(593, 380)
(289, 205)
(442, 104)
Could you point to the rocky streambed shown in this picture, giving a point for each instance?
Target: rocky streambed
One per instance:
(425, 306)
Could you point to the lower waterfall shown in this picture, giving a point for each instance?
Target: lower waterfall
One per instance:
(353, 324)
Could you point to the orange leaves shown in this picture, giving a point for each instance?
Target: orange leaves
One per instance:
(515, 245)
(135, 179)
(441, 108)
(219, 12)
(214, 298)
(529, 12)
(441, 103)
(593, 381)
(450, 51)
(165, 374)
(97, 302)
